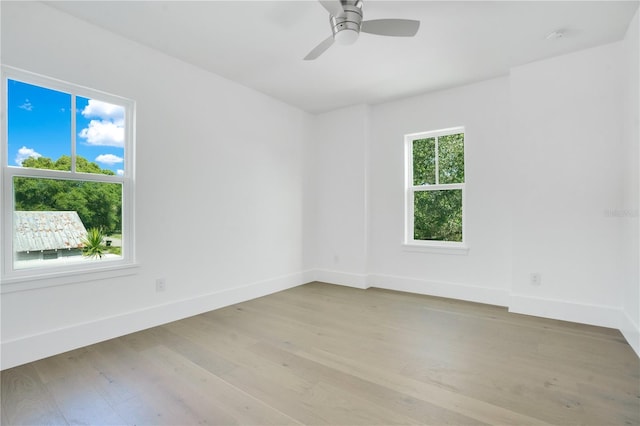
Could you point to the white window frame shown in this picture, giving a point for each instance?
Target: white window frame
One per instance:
(43, 276)
(410, 243)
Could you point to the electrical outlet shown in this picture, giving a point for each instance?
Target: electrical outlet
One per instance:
(535, 278)
(161, 285)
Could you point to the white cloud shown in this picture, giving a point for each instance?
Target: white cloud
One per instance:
(24, 153)
(109, 159)
(26, 105)
(104, 111)
(120, 172)
(103, 133)
(107, 125)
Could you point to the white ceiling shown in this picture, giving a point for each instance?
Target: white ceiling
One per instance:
(260, 44)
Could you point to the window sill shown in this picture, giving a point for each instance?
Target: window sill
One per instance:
(460, 250)
(53, 279)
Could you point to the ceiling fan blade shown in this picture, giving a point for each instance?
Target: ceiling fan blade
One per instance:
(320, 49)
(334, 7)
(391, 27)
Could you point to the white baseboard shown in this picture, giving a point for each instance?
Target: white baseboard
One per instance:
(470, 293)
(631, 331)
(341, 278)
(599, 315)
(52, 342)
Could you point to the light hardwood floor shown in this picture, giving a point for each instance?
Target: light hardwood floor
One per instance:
(330, 355)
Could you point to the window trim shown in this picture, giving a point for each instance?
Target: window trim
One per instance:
(90, 270)
(431, 246)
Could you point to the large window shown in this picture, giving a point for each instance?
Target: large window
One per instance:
(67, 177)
(435, 181)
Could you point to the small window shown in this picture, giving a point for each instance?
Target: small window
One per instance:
(435, 181)
(67, 177)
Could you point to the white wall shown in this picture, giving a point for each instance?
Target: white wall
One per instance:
(219, 190)
(337, 164)
(567, 168)
(482, 274)
(631, 205)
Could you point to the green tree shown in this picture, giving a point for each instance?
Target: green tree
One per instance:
(42, 163)
(424, 161)
(451, 158)
(98, 204)
(438, 213)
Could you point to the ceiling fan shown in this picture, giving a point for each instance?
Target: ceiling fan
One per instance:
(346, 21)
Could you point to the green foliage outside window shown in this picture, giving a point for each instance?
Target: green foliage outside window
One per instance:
(438, 212)
(64, 163)
(424, 161)
(438, 215)
(98, 204)
(451, 159)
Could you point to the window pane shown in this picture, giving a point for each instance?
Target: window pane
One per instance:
(438, 215)
(39, 127)
(100, 137)
(424, 161)
(451, 158)
(52, 217)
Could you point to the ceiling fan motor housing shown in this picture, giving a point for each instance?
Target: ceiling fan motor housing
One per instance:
(350, 20)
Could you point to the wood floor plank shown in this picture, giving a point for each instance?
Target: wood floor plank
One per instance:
(207, 389)
(154, 399)
(82, 404)
(432, 393)
(76, 371)
(320, 354)
(401, 404)
(277, 394)
(26, 400)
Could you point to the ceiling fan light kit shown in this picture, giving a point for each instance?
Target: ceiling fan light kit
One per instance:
(345, 17)
(346, 27)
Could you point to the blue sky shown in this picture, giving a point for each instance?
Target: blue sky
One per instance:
(39, 124)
